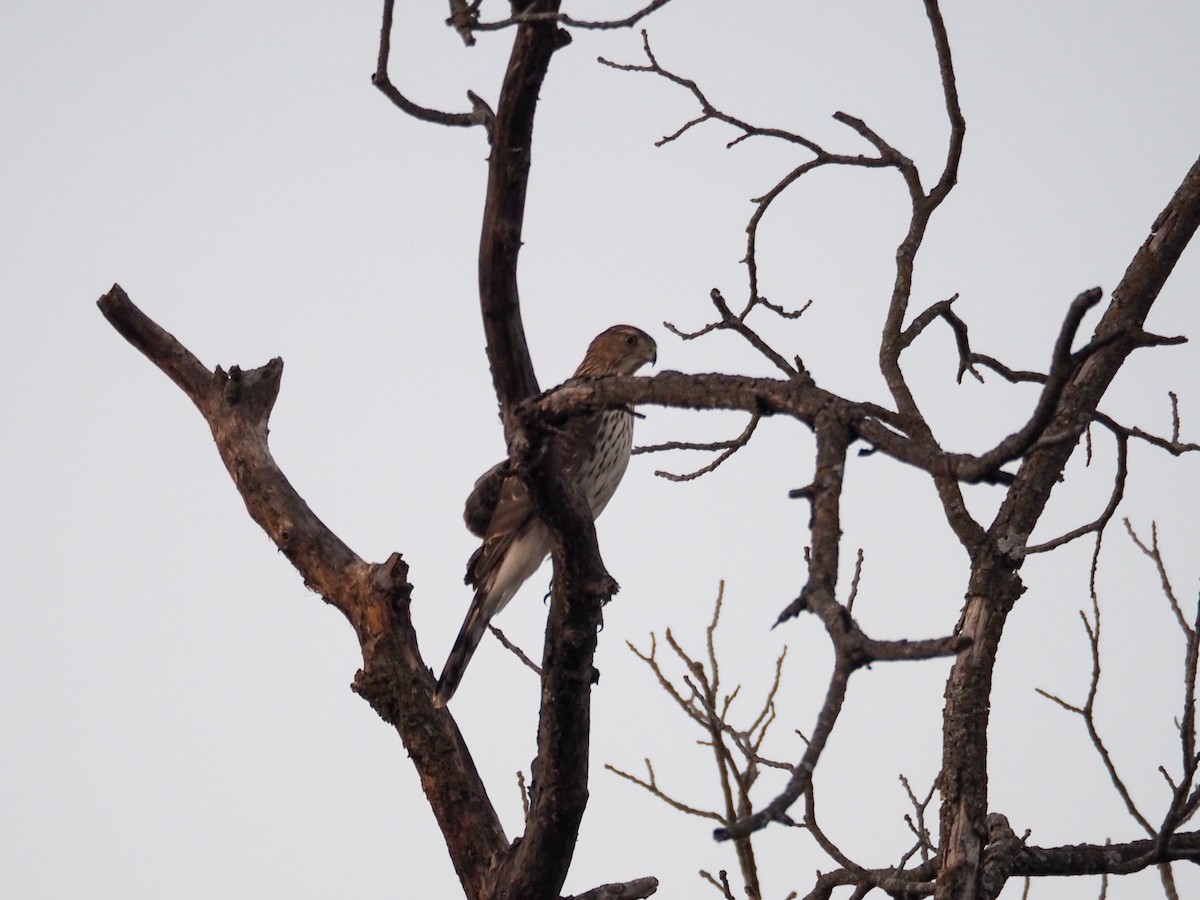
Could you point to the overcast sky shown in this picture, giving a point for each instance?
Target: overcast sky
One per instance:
(175, 712)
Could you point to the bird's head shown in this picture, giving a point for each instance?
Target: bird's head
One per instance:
(620, 350)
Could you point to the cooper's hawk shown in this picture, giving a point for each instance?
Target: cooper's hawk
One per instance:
(593, 450)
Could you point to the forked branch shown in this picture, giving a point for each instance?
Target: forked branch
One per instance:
(373, 598)
(726, 448)
(480, 113)
(736, 751)
(820, 157)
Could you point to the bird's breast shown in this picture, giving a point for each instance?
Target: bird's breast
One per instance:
(604, 467)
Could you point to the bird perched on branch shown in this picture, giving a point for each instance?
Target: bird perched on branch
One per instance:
(593, 450)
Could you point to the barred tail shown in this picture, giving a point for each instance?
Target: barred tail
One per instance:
(468, 639)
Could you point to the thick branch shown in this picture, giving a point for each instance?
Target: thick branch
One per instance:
(1101, 859)
(540, 860)
(995, 586)
(1063, 364)
(799, 398)
(1017, 860)
(504, 209)
(630, 890)
(819, 594)
(852, 649)
(538, 864)
(374, 598)
(1118, 331)
(892, 342)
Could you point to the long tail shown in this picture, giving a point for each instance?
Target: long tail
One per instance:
(468, 639)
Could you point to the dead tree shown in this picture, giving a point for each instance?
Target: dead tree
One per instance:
(975, 853)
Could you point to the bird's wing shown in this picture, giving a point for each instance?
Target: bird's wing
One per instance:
(481, 504)
(500, 509)
(499, 502)
(511, 514)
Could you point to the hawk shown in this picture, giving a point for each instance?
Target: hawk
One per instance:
(594, 451)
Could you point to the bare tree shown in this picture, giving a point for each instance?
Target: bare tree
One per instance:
(975, 852)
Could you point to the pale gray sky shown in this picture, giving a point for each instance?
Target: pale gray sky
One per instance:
(176, 714)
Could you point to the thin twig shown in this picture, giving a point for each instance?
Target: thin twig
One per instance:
(651, 786)
(515, 650)
(722, 885)
(727, 448)
(1087, 713)
(524, 789)
(481, 113)
(858, 566)
(820, 157)
(1155, 555)
(1098, 525)
(570, 21)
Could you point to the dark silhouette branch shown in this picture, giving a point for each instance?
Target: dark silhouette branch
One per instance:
(538, 864)
(1093, 859)
(962, 340)
(852, 649)
(958, 126)
(1016, 376)
(374, 598)
(1098, 525)
(821, 158)
(708, 110)
(1009, 856)
(570, 21)
(855, 581)
(540, 860)
(480, 114)
(737, 324)
(650, 785)
(799, 398)
(504, 210)
(1063, 364)
(1087, 713)
(1174, 445)
(923, 207)
(727, 448)
(736, 751)
(917, 825)
(906, 883)
(977, 852)
(819, 594)
(515, 650)
(995, 585)
(720, 882)
(629, 890)
(1153, 552)
(942, 310)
